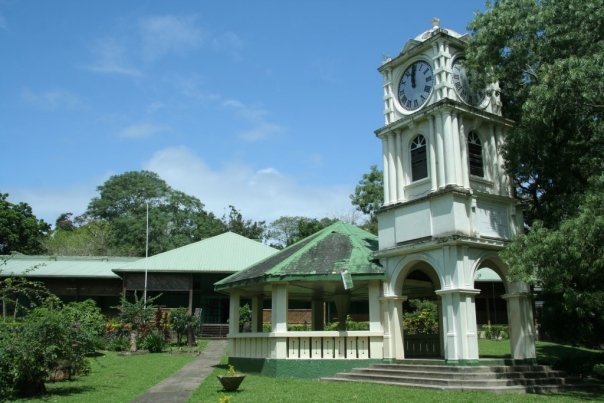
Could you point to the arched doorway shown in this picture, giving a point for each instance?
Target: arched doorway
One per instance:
(421, 313)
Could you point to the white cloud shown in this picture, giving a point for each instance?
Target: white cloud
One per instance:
(261, 127)
(260, 194)
(142, 130)
(166, 34)
(51, 99)
(112, 57)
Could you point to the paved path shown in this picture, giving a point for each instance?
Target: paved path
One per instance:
(180, 386)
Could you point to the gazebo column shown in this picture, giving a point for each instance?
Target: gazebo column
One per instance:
(342, 302)
(520, 314)
(394, 310)
(234, 301)
(459, 324)
(257, 305)
(279, 320)
(375, 322)
(318, 313)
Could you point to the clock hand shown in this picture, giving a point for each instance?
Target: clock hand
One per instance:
(413, 76)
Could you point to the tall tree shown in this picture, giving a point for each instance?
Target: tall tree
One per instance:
(568, 263)
(20, 230)
(286, 230)
(175, 219)
(548, 57)
(92, 238)
(235, 222)
(368, 196)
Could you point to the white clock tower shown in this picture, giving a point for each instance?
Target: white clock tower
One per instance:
(448, 205)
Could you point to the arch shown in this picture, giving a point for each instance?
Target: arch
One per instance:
(492, 261)
(419, 158)
(475, 154)
(408, 264)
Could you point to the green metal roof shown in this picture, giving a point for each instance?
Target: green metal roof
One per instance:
(320, 257)
(62, 266)
(225, 253)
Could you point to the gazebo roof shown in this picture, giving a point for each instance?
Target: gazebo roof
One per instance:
(322, 256)
(224, 253)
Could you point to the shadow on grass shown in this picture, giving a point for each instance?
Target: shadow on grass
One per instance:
(62, 389)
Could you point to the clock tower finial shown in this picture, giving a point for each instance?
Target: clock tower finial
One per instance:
(435, 22)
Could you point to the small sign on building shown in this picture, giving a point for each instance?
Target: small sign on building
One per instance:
(347, 280)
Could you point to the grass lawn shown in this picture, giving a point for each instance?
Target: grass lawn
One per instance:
(116, 378)
(266, 389)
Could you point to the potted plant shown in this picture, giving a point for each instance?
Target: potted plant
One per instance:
(231, 379)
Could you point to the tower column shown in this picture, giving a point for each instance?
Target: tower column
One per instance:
(386, 170)
(449, 151)
(520, 316)
(459, 325)
(394, 308)
(458, 149)
(391, 169)
(400, 178)
(463, 139)
(432, 156)
(440, 150)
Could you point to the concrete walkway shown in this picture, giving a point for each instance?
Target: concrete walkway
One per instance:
(180, 386)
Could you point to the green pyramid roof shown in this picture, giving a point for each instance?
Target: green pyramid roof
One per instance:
(224, 253)
(320, 257)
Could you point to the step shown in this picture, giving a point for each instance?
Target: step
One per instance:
(459, 375)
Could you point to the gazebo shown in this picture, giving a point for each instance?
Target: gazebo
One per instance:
(334, 267)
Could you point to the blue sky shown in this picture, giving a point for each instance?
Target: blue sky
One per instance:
(267, 105)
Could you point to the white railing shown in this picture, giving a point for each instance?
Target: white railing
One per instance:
(308, 345)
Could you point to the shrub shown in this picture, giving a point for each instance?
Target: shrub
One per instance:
(118, 343)
(183, 323)
(421, 318)
(154, 341)
(495, 332)
(46, 341)
(598, 371)
(90, 320)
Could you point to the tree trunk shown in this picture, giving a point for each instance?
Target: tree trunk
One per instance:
(190, 337)
(133, 335)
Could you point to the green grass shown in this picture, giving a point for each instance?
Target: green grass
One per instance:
(257, 388)
(265, 389)
(116, 378)
(494, 348)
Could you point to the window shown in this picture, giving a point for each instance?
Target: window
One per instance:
(475, 155)
(419, 160)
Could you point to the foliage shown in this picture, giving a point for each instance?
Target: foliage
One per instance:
(154, 341)
(175, 219)
(598, 371)
(368, 196)
(350, 325)
(136, 316)
(92, 238)
(18, 288)
(20, 230)
(551, 72)
(245, 315)
(91, 322)
(496, 332)
(235, 222)
(421, 317)
(46, 340)
(288, 230)
(568, 263)
(183, 323)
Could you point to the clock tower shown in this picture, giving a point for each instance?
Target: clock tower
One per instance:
(448, 206)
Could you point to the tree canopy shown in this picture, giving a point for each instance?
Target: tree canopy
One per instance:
(20, 230)
(368, 196)
(287, 230)
(548, 57)
(175, 218)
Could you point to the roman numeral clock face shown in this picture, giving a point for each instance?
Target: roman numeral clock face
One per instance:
(461, 82)
(415, 86)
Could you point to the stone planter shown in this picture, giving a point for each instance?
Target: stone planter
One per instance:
(231, 383)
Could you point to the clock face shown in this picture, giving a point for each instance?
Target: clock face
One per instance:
(461, 82)
(415, 86)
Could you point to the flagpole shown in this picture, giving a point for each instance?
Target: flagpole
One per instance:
(146, 256)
